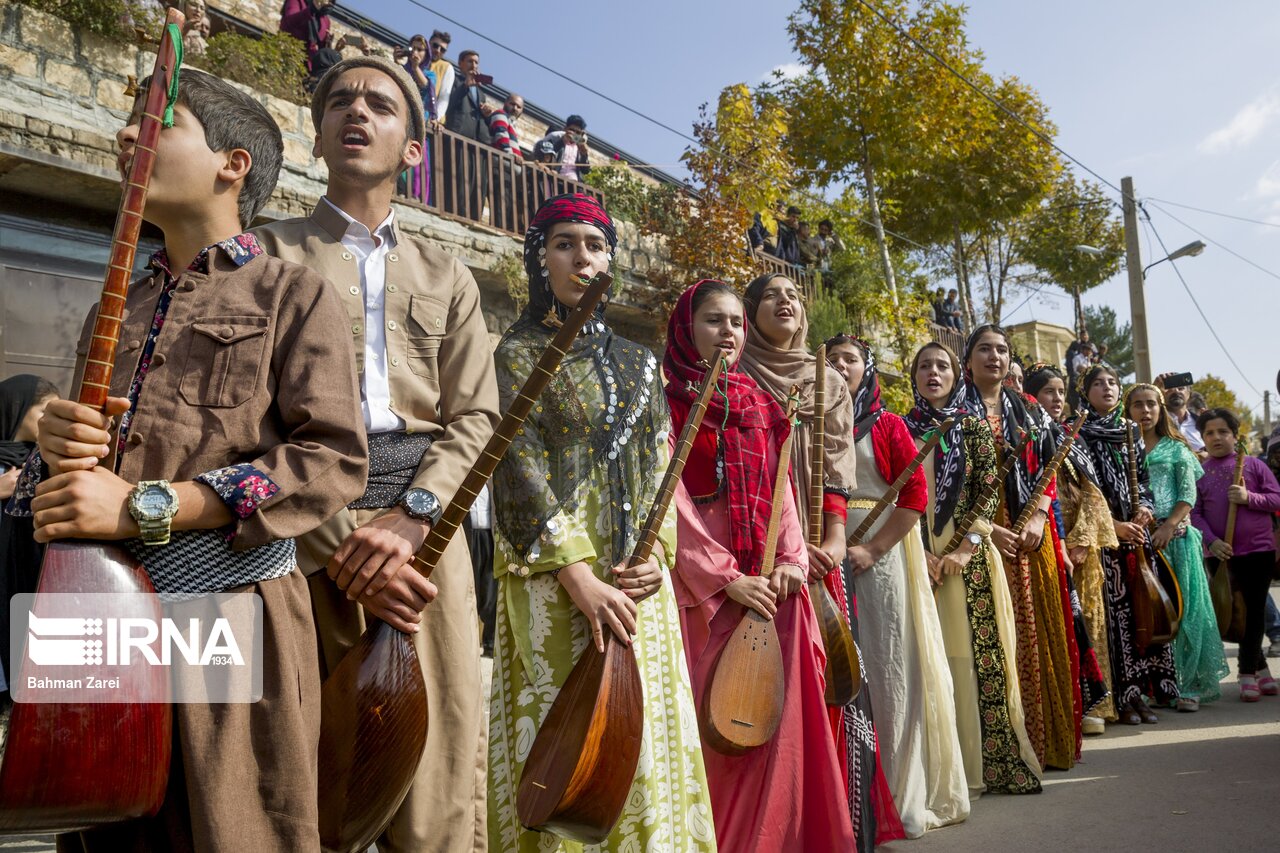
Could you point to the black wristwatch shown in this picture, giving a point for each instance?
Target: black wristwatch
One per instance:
(422, 505)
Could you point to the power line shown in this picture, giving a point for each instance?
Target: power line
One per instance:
(1209, 239)
(1216, 213)
(1203, 316)
(658, 122)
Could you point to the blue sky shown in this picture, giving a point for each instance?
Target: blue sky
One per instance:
(1184, 97)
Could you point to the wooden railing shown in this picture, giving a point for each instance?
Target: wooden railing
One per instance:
(474, 182)
(952, 338)
(805, 279)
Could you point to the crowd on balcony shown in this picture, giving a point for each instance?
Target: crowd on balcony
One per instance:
(454, 99)
(795, 242)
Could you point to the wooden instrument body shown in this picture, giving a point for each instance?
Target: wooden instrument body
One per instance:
(373, 729)
(1155, 615)
(68, 767)
(580, 768)
(843, 673)
(378, 685)
(742, 707)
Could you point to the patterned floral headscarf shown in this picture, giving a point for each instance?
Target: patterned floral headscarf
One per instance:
(867, 404)
(747, 424)
(949, 455)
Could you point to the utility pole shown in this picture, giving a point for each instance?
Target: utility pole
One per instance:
(1266, 411)
(1137, 298)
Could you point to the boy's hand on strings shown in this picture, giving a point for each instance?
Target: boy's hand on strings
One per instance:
(401, 601)
(372, 554)
(1238, 495)
(74, 437)
(91, 504)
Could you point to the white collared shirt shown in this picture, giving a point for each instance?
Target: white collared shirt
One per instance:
(1187, 426)
(370, 252)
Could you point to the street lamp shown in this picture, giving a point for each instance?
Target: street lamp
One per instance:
(1188, 251)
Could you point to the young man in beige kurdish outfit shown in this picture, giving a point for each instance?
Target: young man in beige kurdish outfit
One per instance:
(430, 403)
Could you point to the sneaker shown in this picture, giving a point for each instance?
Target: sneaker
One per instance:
(1092, 725)
(1188, 705)
(1249, 689)
(1273, 650)
(1267, 685)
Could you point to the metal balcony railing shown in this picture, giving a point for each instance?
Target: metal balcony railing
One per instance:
(476, 183)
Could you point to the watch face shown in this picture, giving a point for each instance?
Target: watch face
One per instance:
(153, 503)
(421, 502)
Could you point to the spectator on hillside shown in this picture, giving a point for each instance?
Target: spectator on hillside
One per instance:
(1101, 357)
(195, 32)
(939, 313)
(760, 238)
(306, 21)
(951, 310)
(1196, 403)
(832, 245)
(465, 117)
(788, 247)
(566, 150)
(443, 69)
(502, 125)
(329, 55)
(418, 65)
(809, 244)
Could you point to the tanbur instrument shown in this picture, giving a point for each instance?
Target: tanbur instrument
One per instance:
(1047, 474)
(890, 495)
(582, 763)
(742, 707)
(1155, 614)
(373, 716)
(68, 767)
(844, 670)
(1228, 602)
(1011, 459)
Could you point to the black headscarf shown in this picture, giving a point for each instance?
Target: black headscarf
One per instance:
(948, 456)
(1036, 377)
(602, 409)
(1107, 436)
(867, 404)
(17, 395)
(1015, 419)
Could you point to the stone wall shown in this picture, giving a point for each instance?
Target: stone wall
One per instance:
(61, 102)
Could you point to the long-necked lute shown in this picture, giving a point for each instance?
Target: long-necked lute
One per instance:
(373, 717)
(988, 491)
(1228, 601)
(1047, 474)
(67, 767)
(890, 495)
(1155, 615)
(742, 707)
(844, 672)
(582, 763)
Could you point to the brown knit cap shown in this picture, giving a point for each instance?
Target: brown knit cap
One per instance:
(417, 117)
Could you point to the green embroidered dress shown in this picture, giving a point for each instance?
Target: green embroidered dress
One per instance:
(576, 486)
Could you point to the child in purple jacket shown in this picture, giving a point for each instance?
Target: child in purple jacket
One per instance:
(1252, 552)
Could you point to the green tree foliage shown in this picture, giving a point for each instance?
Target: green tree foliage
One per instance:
(870, 104)
(1077, 213)
(1105, 328)
(126, 21)
(632, 199)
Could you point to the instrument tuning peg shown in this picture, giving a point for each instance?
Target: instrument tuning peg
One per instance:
(131, 88)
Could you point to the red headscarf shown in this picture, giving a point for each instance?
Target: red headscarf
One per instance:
(742, 424)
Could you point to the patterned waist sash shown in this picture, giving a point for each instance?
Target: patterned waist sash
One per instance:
(394, 458)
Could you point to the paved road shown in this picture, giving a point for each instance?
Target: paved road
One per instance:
(1200, 783)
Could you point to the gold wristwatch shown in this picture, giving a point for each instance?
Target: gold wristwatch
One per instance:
(153, 504)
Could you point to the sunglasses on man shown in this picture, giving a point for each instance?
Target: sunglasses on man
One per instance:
(438, 47)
